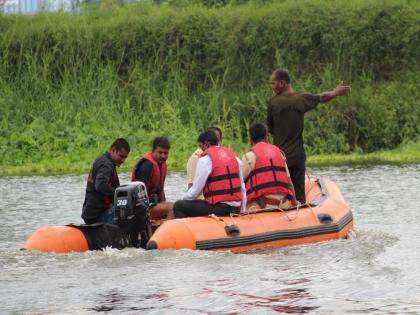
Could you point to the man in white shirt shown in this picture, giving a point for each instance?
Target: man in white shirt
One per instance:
(193, 160)
(219, 177)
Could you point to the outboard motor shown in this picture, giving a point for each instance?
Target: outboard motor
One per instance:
(132, 212)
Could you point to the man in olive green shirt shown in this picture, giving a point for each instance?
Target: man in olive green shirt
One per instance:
(285, 121)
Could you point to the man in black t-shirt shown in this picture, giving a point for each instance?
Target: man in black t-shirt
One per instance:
(285, 121)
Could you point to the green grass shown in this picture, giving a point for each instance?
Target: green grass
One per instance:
(405, 154)
(72, 83)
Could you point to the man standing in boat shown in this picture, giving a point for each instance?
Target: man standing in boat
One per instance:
(265, 172)
(285, 120)
(151, 169)
(219, 177)
(102, 182)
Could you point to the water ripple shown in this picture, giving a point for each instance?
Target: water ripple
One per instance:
(375, 271)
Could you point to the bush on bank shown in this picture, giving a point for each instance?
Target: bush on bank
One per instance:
(71, 83)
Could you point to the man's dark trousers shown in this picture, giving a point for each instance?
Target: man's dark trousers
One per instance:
(297, 175)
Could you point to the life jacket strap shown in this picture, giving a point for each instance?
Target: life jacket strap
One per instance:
(222, 177)
(267, 185)
(222, 192)
(267, 169)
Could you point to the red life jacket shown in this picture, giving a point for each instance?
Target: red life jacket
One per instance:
(223, 183)
(269, 175)
(155, 180)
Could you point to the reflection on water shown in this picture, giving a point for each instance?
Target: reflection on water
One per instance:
(109, 301)
(283, 302)
(375, 271)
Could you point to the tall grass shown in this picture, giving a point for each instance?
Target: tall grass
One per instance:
(70, 84)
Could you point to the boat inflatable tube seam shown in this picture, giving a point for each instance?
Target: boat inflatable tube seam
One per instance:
(275, 236)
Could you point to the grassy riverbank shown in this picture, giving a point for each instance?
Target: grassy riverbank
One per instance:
(72, 83)
(405, 154)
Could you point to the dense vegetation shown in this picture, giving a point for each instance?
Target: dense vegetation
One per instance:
(71, 83)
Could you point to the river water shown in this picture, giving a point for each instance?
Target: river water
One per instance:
(376, 271)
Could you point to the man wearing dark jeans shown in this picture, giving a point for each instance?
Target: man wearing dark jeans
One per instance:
(219, 177)
(297, 176)
(200, 208)
(285, 121)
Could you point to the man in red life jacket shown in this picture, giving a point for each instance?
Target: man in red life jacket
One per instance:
(219, 177)
(151, 169)
(102, 182)
(192, 161)
(265, 172)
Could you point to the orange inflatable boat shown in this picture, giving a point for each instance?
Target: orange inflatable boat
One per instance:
(325, 217)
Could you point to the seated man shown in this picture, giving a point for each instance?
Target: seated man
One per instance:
(219, 177)
(265, 172)
(151, 169)
(102, 182)
(192, 161)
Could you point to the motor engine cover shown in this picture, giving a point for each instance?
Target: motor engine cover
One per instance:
(130, 200)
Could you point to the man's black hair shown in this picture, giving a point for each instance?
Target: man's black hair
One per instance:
(208, 136)
(162, 142)
(281, 75)
(257, 132)
(216, 129)
(120, 144)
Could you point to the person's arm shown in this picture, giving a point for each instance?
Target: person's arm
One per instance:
(202, 172)
(103, 179)
(243, 190)
(161, 189)
(338, 91)
(162, 196)
(248, 162)
(191, 167)
(270, 122)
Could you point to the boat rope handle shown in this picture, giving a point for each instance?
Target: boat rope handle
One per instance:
(234, 215)
(213, 216)
(296, 213)
(252, 211)
(244, 215)
(307, 173)
(312, 210)
(313, 184)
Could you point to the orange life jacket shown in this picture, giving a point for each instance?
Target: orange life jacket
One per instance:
(269, 175)
(155, 180)
(223, 183)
